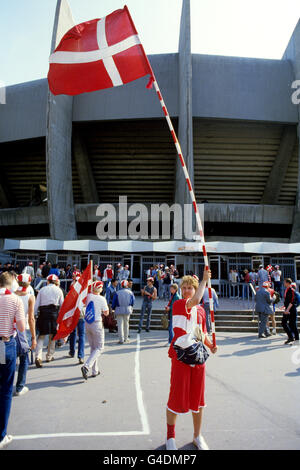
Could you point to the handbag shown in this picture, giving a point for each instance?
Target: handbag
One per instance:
(164, 321)
(22, 343)
(190, 348)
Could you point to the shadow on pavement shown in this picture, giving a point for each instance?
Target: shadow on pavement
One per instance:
(189, 446)
(293, 374)
(57, 383)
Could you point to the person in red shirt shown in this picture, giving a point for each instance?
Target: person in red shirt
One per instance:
(187, 382)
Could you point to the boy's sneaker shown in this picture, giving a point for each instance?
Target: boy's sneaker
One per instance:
(38, 363)
(274, 331)
(289, 341)
(22, 392)
(200, 443)
(96, 375)
(171, 444)
(84, 371)
(5, 441)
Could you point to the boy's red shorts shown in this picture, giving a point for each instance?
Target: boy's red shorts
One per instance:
(187, 388)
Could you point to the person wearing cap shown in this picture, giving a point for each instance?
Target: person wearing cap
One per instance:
(276, 276)
(263, 307)
(108, 275)
(122, 304)
(97, 273)
(48, 302)
(95, 330)
(29, 269)
(28, 300)
(149, 293)
(125, 273)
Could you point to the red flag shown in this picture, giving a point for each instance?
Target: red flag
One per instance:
(98, 54)
(70, 310)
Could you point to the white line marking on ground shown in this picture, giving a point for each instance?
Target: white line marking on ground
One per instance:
(139, 392)
(141, 408)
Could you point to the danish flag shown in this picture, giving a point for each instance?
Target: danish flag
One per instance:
(98, 54)
(75, 300)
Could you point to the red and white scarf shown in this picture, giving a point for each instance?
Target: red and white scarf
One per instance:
(4, 291)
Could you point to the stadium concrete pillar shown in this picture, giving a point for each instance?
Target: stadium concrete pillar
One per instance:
(292, 54)
(279, 169)
(61, 209)
(185, 124)
(84, 170)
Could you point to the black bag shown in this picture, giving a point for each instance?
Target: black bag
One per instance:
(194, 354)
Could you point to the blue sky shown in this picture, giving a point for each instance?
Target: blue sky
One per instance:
(257, 28)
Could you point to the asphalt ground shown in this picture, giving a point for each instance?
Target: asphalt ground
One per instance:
(252, 396)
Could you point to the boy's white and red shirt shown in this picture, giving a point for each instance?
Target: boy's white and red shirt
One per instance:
(182, 322)
(11, 311)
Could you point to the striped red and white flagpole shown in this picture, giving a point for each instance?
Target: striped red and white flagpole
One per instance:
(192, 194)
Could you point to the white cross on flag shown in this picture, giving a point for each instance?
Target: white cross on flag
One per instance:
(98, 54)
(75, 300)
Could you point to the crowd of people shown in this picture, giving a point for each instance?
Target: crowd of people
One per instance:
(28, 315)
(240, 281)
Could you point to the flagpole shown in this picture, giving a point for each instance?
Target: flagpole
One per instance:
(193, 198)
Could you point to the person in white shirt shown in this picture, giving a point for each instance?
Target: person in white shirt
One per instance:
(48, 302)
(276, 276)
(29, 270)
(95, 330)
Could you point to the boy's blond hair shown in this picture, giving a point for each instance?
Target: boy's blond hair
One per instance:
(190, 280)
(6, 279)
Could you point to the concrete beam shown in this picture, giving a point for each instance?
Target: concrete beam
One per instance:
(59, 145)
(24, 216)
(281, 164)
(292, 54)
(84, 169)
(185, 121)
(230, 213)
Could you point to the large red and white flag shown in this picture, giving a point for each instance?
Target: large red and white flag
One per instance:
(75, 300)
(98, 54)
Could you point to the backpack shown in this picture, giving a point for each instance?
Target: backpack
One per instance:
(89, 316)
(297, 299)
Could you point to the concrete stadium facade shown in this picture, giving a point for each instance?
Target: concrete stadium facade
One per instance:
(236, 122)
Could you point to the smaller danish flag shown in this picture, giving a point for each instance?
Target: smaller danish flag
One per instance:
(98, 54)
(74, 302)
